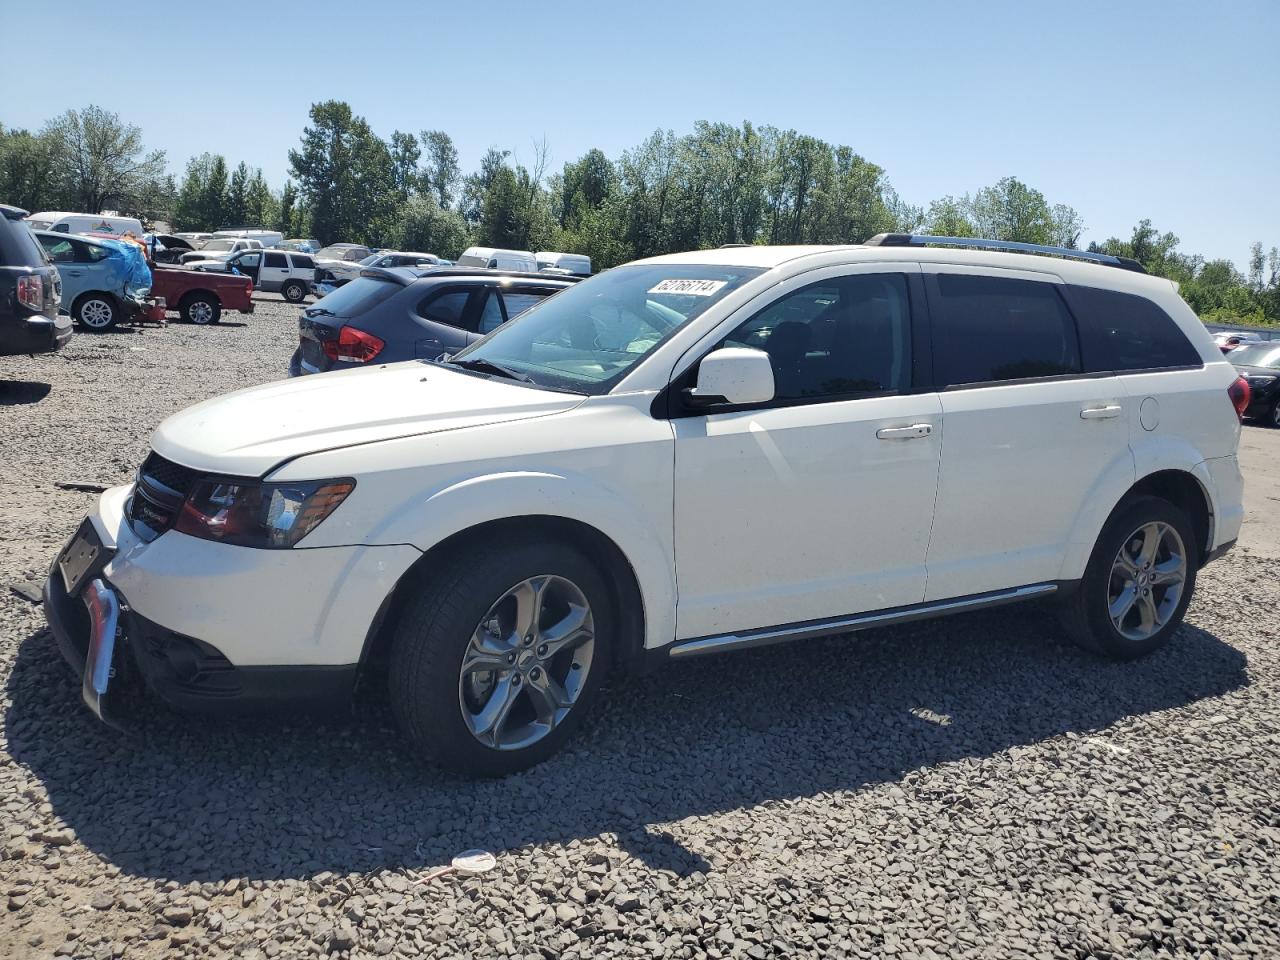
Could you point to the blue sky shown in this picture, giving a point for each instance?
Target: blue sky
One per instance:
(1167, 110)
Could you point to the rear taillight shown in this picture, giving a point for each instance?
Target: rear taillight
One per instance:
(31, 292)
(353, 346)
(1239, 393)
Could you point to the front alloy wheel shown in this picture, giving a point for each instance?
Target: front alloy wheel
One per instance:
(527, 663)
(499, 652)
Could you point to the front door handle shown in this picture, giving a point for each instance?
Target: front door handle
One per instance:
(912, 432)
(1108, 412)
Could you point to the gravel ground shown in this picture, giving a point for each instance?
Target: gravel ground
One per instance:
(971, 787)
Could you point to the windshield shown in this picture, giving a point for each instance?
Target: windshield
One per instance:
(354, 298)
(369, 260)
(1257, 355)
(587, 337)
(219, 245)
(39, 224)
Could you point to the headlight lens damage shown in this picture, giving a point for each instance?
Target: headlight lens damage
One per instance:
(250, 513)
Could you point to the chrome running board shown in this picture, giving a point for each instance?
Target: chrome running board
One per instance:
(825, 628)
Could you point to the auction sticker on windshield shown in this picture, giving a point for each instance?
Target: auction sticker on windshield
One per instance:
(689, 288)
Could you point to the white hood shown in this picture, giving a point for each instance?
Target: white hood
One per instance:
(249, 432)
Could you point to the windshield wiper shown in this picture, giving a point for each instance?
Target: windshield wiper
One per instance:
(488, 366)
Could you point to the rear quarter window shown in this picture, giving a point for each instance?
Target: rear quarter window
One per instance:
(1124, 332)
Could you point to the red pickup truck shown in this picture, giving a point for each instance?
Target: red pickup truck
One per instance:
(201, 297)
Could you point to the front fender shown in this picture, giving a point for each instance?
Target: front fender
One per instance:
(431, 517)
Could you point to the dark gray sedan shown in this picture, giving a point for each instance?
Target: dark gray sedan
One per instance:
(405, 313)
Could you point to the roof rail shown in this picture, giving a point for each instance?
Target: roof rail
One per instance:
(1007, 246)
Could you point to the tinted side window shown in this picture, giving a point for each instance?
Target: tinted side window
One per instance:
(1120, 331)
(850, 335)
(448, 307)
(989, 329)
(303, 263)
(277, 260)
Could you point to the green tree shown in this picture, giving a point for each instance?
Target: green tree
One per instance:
(262, 209)
(237, 205)
(405, 152)
(287, 210)
(201, 197)
(1010, 210)
(426, 226)
(345, 175)
(27, 171)
(441, 173)
(101, 162)
(949, 217)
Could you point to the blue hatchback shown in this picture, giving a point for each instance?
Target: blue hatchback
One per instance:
(406, 313)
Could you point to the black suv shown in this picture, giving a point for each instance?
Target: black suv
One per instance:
(29, 291)
(407, 313)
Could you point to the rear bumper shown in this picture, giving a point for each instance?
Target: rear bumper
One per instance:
(34, 334)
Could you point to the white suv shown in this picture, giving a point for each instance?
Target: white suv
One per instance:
(685, 455)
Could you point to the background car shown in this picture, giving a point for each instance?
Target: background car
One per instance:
(401, 258)
(99, 287)
(337, 264)
(168, 247)
(1259, 363)
(30, 289)
(286, 272)
(1228, 341)
(402, 313)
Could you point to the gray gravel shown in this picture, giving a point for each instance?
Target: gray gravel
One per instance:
(965, 788)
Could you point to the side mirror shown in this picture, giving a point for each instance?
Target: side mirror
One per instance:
(733, 375)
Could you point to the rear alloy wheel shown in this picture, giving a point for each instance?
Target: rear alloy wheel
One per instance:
(294, 291)
(201, 309)
(497, 659)
(1274, 418)
(1139, 581)
(97, 313)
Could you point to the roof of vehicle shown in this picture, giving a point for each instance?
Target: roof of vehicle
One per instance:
(1071, 270)
(407, 275)
(406, 253)
(348, 245)
(82, 237)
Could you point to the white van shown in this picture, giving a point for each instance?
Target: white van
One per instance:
(498, 259)
(60, 222)
(576, 264)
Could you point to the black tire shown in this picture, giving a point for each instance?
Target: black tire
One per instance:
(96, 312)
(434, 632)
(295, 291)
(201, 309)
(1085, 615)
(1273, 416)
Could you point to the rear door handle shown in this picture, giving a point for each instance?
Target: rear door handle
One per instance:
(1108, 412)
(912, 432)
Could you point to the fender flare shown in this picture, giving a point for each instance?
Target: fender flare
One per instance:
(1157, 454)
(432, 517)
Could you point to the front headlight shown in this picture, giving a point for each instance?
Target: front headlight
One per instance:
(249, 513)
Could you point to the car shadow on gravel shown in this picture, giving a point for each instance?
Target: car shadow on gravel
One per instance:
(14, 393)
(268, 798)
